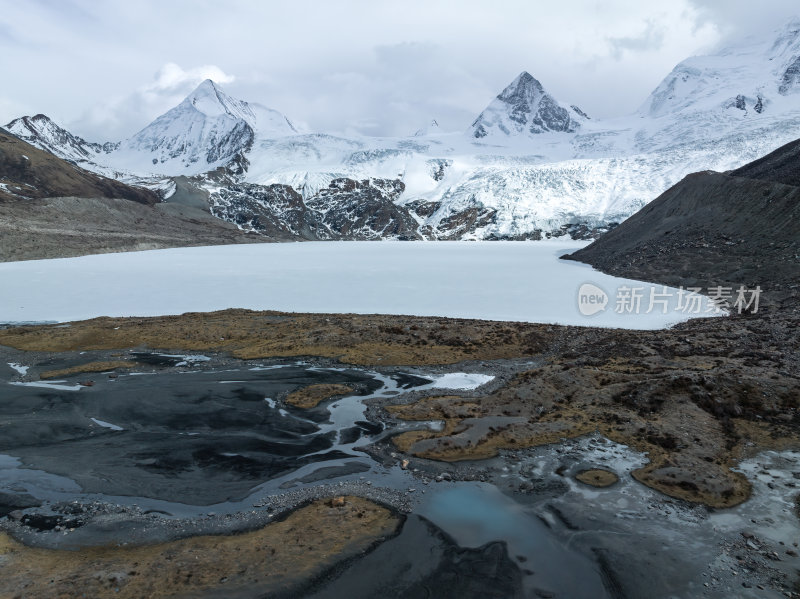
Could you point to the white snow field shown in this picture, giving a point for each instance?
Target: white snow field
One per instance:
(511, 281)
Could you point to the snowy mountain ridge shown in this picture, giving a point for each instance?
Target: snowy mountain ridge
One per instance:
(529, 166)
(42, 132)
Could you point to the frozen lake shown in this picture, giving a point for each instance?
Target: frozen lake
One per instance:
(513, 281)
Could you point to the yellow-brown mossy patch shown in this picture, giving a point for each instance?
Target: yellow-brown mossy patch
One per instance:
(246, 334)
(309, 397)
(597, 477)
(672, 414)
(88, 367)
(272, 559)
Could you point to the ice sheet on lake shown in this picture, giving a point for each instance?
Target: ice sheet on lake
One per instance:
(510, 281)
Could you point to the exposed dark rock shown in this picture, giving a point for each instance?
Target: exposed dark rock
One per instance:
(551, 117)
(791, 77)
(11, 502)
(422, 208)
(580, 112)
(480, 130)
(522, 99)
(525, 103)
(364, 209)
(437, 168)
(458, 224)
(347, 209)
(535, 235)
(582, 231)
(276, 211)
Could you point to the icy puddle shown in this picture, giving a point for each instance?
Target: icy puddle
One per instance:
(509, 281)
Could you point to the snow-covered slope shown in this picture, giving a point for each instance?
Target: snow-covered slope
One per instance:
(746, 88)
(529, 166)
(42, 132)
(429, 129)
(750, 77)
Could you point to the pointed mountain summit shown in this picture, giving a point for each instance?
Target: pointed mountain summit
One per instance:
(525, 107)
(209, 99)
(206, 130)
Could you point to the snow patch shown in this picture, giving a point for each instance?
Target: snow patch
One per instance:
(23, 370)
(57, 385)
(105, 424)
(461, 380)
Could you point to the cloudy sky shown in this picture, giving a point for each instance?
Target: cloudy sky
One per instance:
(104, 69)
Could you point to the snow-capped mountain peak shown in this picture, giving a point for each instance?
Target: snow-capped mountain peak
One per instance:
(525, 107)
(206, 130)
(210, 100)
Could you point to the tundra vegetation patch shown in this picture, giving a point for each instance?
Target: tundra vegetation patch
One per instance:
(272, 559)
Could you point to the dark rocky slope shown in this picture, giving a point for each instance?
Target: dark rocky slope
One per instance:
(780, 166)
(29, 173)
(66, 227)
(714, 229)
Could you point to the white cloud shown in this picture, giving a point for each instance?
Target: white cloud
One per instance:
(106, 68)
(117, 118)
(171, 77)
(735, 18)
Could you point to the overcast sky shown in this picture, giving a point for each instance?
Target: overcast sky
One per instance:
(104, 69)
